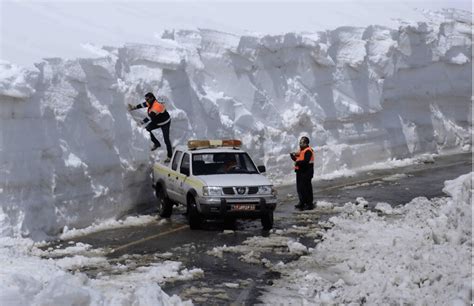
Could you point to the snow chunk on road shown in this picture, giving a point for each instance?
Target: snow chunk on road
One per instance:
(324, 205)
(394, 177)
(297, 248)
(384, 208)
(253, 247)
(108, 224)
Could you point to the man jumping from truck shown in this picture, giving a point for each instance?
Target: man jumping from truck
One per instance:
(158, 117)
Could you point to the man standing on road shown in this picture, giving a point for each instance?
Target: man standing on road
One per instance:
(304, 168)
(158, 118)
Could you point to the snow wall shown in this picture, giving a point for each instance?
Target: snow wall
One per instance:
(71, 154)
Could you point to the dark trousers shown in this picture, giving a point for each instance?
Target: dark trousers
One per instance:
(304, 188)
(165, 129)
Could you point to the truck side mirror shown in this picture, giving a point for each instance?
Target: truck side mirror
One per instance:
(261, 169)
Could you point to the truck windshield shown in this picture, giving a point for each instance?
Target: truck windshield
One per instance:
(222, 163)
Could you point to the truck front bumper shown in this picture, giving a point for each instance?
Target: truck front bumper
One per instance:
(237, 208)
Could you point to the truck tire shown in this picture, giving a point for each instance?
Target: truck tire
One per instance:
(165, 206)
(267, 221)
(194, 217)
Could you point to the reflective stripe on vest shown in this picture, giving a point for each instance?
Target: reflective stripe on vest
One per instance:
(301, 156)
(156, 107)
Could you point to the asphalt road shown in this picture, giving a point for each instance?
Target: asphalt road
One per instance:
(228, 280)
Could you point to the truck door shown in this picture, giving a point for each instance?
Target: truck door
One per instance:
(184, 172)
(172, 177)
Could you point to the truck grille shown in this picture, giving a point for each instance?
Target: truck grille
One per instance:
(253, 190)
(228, 190)
(241, 190)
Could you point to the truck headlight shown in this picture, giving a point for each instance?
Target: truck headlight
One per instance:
(211, 191)
(265, 190)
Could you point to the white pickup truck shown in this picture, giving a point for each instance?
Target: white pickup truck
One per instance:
(215, 179)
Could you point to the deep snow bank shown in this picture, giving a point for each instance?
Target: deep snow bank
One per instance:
(70, 153)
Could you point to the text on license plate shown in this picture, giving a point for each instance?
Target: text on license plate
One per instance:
(242, 207)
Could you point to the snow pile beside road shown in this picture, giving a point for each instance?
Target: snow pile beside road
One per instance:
(110, 224)
(30, 280)
(71, 155)
(423, 256)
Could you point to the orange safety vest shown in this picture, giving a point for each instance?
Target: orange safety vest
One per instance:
(300, 156)
(156, 107)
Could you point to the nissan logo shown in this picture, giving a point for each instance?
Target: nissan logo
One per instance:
(240, 190)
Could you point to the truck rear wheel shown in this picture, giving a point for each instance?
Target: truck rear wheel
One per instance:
(165, 206)
(267, 221)
(194, 217)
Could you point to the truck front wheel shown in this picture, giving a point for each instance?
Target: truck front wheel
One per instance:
(267, 221)
(165, 207)
(194, 217)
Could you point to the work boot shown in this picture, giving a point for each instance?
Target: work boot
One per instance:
(299, 206)
(309, 207)
(155, 146)
(167, 160)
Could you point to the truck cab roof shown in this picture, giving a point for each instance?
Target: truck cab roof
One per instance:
(209, 150)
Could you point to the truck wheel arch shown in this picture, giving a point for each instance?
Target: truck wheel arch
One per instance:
(192, 193)
(161, 184)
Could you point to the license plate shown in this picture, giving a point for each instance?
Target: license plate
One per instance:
(240, 207)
